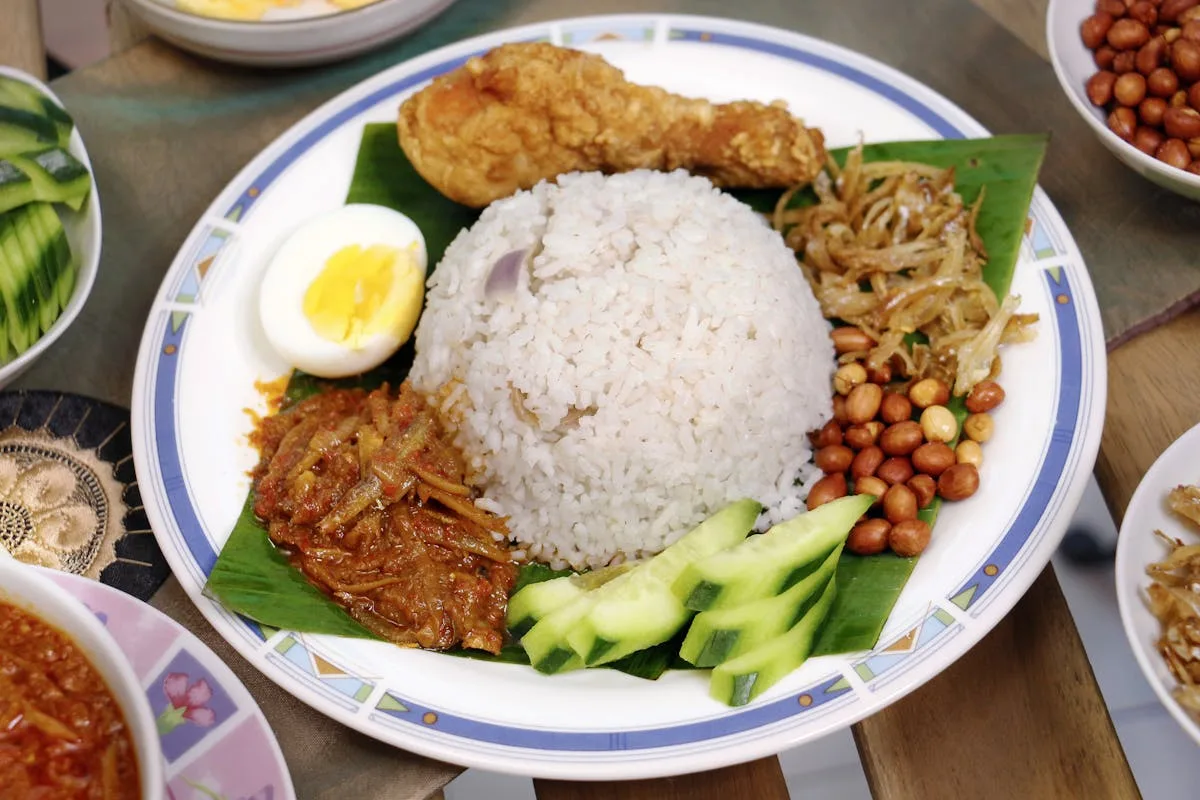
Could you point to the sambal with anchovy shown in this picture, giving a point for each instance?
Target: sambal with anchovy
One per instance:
(364, 491)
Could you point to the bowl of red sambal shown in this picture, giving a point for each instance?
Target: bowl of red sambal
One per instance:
(74, 720)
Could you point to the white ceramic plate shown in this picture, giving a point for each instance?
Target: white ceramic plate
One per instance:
(215, 741)
(1073, 64)
(311, 32)
(83, 232)
(202, 352)
(1137, 547)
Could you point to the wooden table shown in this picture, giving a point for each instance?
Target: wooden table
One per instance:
(1020, 715)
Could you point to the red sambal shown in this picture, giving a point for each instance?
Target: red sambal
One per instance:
(365, 493)
(62, 734)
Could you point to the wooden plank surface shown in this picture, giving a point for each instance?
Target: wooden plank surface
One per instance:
(760, 780)
(981, 732)
(21, 37)
(1153, 397)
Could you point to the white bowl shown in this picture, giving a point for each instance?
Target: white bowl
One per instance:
(28, 588)
(83, 232)
(305, 35)
(1137, 547)
(1073, 64)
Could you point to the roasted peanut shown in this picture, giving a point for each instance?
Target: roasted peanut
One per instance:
(881, 374)
(1185, 60)
(1152, 55)
(1193, 146)
(901, 439)
(1182, 123)
(866, 462)
(899, 504)
(969, 452)
(928, 392)
(839, 409)
(1144, 12)
(910, 538)
(849, 339)
(1130, 89)
(1193, 96)
(1194, 167)
(829, 488)
(1151, 112)
(1095, 28)
(869, 484)
(848, 376)
(895, 408)
(1178, 100)
(979, 427)
(1172, 35)
(1116, 8)
(1170, 10)
(1123, 62)
(1125, 33)
(1104, 57)
(933, 458)
(869, 537)
(862, 404)
(938, 424)
(1100, 87)
(834, 458)
(959, 482)
(828, 434)
(984, 396)
(1174, 152)
(1162, 82)
(1123, 122)
(924, 487)
(895, 470)
(1191, 15)
(1191, 31)
(858, 437)
(1147, 139)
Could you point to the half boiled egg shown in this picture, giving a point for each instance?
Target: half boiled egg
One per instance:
(344, 291)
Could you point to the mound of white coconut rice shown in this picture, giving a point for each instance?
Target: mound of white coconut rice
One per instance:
(647, 352)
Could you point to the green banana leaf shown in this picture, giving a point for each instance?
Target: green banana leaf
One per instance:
(254, 579)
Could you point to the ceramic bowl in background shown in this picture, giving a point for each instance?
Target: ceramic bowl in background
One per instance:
(1074, 64)
(1138, 547)
(313, 32)
(83, 232)
(28, 588)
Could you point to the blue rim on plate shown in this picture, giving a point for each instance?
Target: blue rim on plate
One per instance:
(878, 678)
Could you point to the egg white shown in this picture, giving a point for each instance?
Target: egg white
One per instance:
(298, 262)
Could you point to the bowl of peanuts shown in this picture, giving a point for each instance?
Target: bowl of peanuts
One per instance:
(1132, 70)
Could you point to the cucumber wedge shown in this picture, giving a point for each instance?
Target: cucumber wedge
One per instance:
(763, 566)
(738, 681)
(40, 257)
(643, 611)
(17, 288)
(722, 634)
(24, 97)
(633, 614)
(537, 600)
(16, 187)
(22, 131)
(55, 176)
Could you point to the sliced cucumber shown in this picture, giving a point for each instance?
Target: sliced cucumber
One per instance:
(56, 177)
(763, 566)
(740, 680)
(16, 187)
(631, 610)
(41, 258)
(18, 288)
(642, 610)
(46, 220)
(722, 634)
(25, 97)
(22, 131)
(537, 600)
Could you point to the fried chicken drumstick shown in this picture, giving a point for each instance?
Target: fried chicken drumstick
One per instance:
(523, 113)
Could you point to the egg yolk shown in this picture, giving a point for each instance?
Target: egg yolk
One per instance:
(345, 303)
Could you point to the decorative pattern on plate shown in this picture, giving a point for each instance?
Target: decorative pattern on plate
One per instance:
(68, 493)
(203, 253)
(1043, 241)
(216, 743)
(406, 712)
(932, 628)
(291, 648)
(573, 35)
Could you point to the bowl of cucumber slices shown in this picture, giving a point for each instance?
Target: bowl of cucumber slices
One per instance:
(49, 221)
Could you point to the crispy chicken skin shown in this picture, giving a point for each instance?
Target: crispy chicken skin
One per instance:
(522, 113)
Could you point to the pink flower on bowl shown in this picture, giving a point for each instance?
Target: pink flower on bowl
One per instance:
(188, 703)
